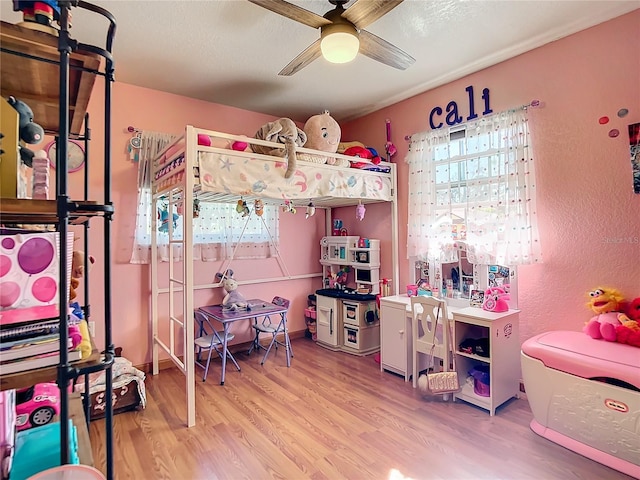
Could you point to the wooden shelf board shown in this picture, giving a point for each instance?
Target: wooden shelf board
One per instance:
(37, 82)
(22, 210)
(46, 374)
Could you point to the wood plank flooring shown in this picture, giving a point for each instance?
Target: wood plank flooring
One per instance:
(330, 416)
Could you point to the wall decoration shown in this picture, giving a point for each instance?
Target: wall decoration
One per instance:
(634, 151)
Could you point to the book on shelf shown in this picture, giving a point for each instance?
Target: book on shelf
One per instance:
(30, 347)
(36, 361)
(30, 330)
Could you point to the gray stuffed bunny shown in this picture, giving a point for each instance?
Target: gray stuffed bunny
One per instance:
(283, 130)
(233, 300)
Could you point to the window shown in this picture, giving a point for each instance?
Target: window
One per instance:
(474, 184)
(216, 231)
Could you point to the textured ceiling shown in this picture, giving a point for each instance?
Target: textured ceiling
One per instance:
(230, 51)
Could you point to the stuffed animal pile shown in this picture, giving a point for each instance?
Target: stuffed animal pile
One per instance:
(615, 320)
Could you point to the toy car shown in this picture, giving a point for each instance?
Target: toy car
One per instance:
(37, 405)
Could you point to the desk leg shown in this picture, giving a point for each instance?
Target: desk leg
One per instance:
(287, 342)
(224, 352)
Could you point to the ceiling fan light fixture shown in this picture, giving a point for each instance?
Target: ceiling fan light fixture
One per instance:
(340, 43)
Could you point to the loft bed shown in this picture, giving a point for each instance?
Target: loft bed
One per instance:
(214, 172)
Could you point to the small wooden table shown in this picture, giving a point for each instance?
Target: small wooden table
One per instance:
(257, 307)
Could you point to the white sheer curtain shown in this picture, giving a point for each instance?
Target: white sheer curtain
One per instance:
(218, 229)
(474, 183)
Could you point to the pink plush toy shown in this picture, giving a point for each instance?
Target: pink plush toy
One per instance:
(605, 303)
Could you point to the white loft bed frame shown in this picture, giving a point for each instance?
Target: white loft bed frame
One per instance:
(178, 176)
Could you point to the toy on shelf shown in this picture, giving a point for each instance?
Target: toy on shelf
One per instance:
(233, 300)
(77, 271)
(37, 405)
(43, 12)
(29, 131)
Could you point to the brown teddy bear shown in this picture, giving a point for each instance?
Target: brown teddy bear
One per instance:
(77, 271)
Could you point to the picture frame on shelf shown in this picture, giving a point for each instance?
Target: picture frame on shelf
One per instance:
(76, 155)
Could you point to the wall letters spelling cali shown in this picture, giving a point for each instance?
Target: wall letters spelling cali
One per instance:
(453, 117)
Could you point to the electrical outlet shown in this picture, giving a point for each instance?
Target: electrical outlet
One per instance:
(92, 328)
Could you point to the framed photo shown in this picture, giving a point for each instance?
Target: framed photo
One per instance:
(477, 298)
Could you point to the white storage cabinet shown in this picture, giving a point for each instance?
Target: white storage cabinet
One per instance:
(504, 353)
(396, 339)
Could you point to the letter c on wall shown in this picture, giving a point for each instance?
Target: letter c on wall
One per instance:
(437, 111)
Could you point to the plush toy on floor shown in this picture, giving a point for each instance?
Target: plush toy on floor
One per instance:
(605, 303)
(233, 300)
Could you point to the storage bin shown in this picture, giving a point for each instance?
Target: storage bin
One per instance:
(38, 449)
(481, 380)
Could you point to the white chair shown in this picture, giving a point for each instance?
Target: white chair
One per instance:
(427, 332)
(210, 339)
(274, 328)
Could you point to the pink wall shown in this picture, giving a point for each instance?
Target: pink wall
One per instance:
(588, 216)
(584, 183)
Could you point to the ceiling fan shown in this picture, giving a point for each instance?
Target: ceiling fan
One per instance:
(342, 34)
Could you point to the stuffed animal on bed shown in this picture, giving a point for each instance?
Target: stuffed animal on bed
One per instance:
(362, 152)
(233, 300)
(323, 134)
(605, 303)
(285, 131)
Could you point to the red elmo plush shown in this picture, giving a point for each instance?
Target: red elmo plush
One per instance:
(629, 330)
(362, 152)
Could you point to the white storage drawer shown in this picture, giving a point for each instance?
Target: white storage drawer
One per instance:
(362, 338)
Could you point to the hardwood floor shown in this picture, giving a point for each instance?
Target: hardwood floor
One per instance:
(330, 416)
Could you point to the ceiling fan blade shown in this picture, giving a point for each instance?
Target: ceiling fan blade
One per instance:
(365, 12)
(311, 53)
(293, 12)
(374, 47)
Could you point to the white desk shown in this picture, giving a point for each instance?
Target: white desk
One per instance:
(396, 343)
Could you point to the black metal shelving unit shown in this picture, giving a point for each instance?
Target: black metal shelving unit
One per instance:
(23, 51)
